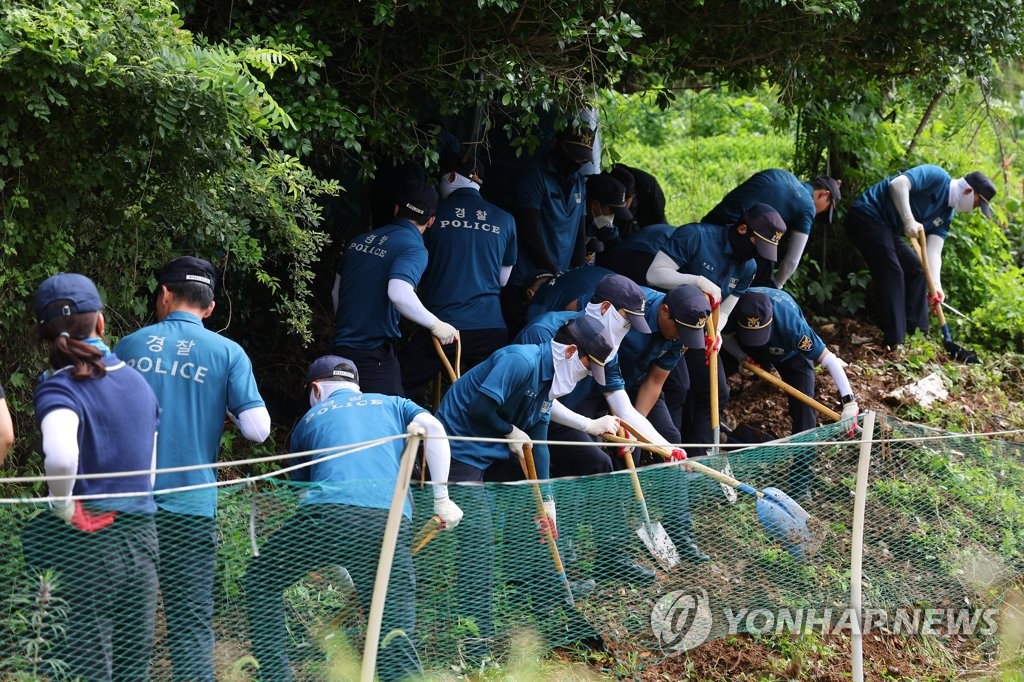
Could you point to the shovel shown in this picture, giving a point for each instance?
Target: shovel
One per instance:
(958, 352)
(780, 515)
(716, 430)
(427, 533)
(538, 498)
(789, 390)
(652, 534)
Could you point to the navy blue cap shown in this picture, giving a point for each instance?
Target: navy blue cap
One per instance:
(78, 291)
(981, 184)
(754, 315)
(332, 368)
(419, 198)
(188, 269)
(768, 228)
(690, 309)
(831, 185)
(624, 293)
(606, 189)
(588, 335)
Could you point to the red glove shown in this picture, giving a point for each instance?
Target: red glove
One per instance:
(711, 345)
(936, 301)
(678, 455)
(542, 525)
(90, 521)
(715, 302)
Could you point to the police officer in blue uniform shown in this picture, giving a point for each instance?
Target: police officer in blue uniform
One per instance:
(570, 290)
(472, 247)
(799, 204)
(352, 491)
(199, 377)
(772, 330)
(923, 198)
(509, 396)
(550, 212)
(97, 416)
(606, 206)
(375, 286)
(718, 260)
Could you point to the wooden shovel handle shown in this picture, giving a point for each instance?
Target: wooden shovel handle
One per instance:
(922, 251)
(538, 498)
(453, 375)
(786, 388)
(427, 533)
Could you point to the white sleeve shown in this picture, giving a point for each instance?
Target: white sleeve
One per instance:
(560, 414)
(622, 407)
(787, 265)
(506, 272)
(60, 450)
(336, 292)
(254, 424)
(437, 452)
(899, 190)
(934, 247)
(832, 363)
(664, 273)
(405, 300)
(731, 346)
(725, 310)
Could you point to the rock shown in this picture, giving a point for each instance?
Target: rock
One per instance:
(923, 392)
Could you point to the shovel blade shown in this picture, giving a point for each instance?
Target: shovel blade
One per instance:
(729, 492)
(659, 544)
(959, 353)
(786, 522)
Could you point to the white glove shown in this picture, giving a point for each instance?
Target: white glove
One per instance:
(444, 332)
(517, 434)
(549, 509)
(606, 424)
(912, 228)
(850, 409)
(64, 509)
(449, 512)
(709, 288)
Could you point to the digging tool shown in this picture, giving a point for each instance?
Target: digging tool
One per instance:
(782, 518)
(453, 372)
(549, 536)
(427, 533)
(796, 393)
(652, 534)
(716, 427)
(955, 311)
(958, 352)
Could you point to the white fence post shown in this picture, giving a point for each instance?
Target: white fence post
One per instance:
(857, 546)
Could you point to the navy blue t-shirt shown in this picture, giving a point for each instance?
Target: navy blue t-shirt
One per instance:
(118, 418)
(571, 285)
(780, 189)
(929, 200)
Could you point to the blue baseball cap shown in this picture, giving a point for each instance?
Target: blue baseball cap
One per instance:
(332, 368)
(690, 310)
(754, 315)
(588, 334)
(78, 291)
(768, 228)
(622, 292)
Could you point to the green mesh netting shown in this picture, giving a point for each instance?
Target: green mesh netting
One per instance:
(944, 528)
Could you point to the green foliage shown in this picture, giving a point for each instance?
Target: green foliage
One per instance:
(33, 621)
(127, 142)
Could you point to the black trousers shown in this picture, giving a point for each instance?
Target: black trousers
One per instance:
(107, 581)
(899, 277)
(420, 363)
(697, 409)
(379, 371)
(186, 569)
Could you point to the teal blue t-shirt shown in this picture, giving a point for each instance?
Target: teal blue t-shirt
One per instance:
(198, 377)
(365, 478)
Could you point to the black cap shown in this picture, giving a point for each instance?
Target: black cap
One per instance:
(827, 182)
(578, 144)
(606, 190)
(624, 293)
(690, 309)
(332, 368)
(626, 177)
(768, 228)
(753, 314)
(418, 198)
(467, 165)
(188, 269)
(78, 290)
(588, 335)
(980, 183)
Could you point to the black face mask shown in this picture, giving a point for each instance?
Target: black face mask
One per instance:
(564, 164)
(741, 246)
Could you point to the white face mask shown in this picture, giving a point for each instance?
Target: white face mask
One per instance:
(615, 325)
(958, 200)
(568, 371)
(602, 221)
